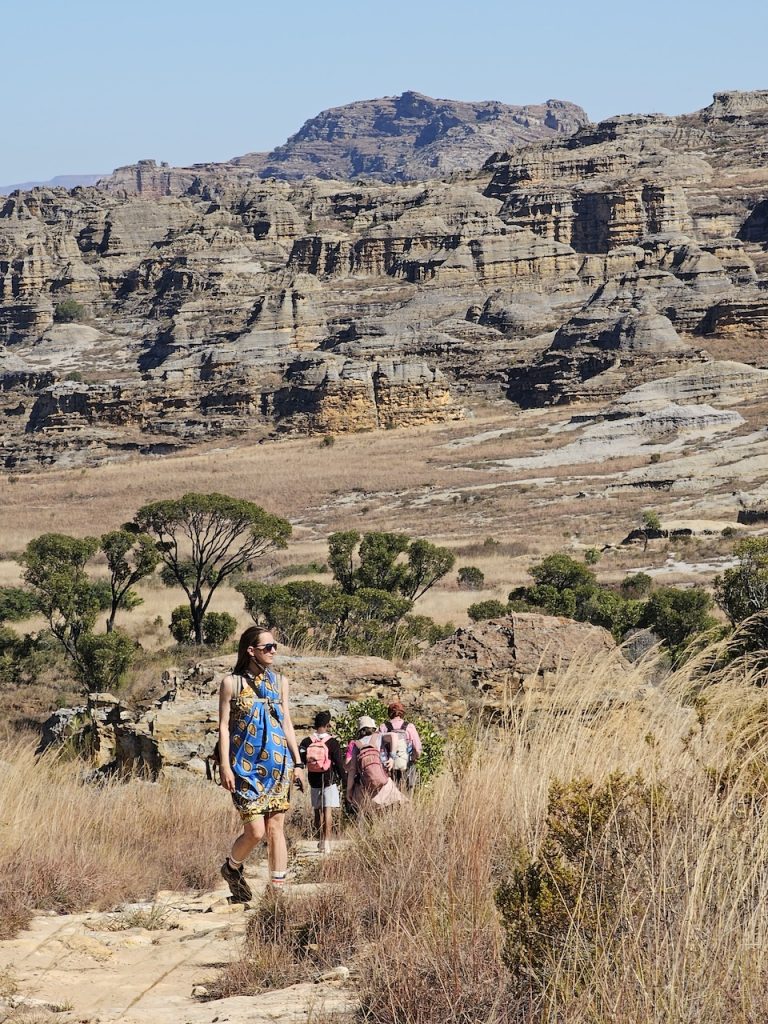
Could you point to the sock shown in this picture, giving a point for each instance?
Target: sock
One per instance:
(236, 864)
(278, 877)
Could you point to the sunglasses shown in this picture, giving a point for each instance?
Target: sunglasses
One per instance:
(267, 647)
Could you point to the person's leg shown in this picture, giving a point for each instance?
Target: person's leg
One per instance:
(232, 868)
(252, 835)
(317, 823)
(277, 851)
(327, 824)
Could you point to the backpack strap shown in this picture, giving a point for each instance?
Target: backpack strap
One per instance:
(388, 725)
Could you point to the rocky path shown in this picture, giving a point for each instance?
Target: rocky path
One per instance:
(141, 965)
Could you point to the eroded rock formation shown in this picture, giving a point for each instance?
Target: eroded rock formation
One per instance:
(561, 271)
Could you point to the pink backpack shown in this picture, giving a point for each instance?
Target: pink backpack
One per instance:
(318, 758)
(370, 771)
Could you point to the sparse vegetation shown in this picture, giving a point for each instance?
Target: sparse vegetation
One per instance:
(69, 311)
(377, 579)
(471, 578)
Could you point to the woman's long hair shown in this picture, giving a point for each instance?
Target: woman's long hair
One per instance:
(249, 638)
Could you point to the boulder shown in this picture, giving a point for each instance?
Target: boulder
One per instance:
(500, 661)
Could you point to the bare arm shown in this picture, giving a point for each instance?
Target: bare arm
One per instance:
(225, 698)
(290, 735)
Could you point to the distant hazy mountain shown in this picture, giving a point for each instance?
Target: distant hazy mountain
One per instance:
(60, 181)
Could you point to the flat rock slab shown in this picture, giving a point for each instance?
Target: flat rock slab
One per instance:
(79, 967)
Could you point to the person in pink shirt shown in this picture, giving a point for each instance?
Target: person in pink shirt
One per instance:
(402, 744)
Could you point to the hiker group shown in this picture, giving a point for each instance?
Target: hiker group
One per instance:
(258, 761)
(377, 770)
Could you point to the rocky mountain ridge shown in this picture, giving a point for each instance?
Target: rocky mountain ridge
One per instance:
(410, 137)
(560, 271)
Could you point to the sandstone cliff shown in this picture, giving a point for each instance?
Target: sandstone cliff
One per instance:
(564, 270)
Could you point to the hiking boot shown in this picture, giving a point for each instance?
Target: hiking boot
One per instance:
(235, 879)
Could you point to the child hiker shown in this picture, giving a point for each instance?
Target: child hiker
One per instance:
(323, 758)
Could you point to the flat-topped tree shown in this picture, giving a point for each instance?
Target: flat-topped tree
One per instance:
(203, 539)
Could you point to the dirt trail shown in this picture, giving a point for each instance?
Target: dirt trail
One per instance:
(78, 968)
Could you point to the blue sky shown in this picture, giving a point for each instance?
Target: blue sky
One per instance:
(89, 85)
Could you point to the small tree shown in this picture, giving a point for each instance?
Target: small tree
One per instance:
(743, 590)
(205, 539)
(130, 558)
(378, 565)
(55, 568)
(651, 520)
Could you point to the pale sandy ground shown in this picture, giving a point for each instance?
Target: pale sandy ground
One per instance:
(73, 968)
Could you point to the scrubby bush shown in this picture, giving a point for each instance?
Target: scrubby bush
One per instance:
(69, 311)
(677, 616)
(636, 585)
(218, 627)
(743, 590)
(106, 659)
(567, 908)
(16, 604)
(470, 578)
(592, 556)
(490, 609)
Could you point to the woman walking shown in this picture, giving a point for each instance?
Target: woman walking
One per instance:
(258, 756)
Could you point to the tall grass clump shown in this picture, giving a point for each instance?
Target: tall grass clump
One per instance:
(602, 858)
(66, 844)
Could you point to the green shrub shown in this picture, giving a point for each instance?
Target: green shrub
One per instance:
(328, 441)
(636, 585)
(471, 578)
(106, 658)
(490, 609)
(16, 604)
(677, 616)
(562, 910)
(218, 627)
(69, 311)
(592, 556)
(651, 520)
(743, 590)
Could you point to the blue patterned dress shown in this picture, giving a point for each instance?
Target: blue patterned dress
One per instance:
(258, 750)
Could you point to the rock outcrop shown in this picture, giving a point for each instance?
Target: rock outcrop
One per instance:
(500, 661)
(485, 668)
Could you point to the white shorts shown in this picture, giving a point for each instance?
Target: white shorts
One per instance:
(328, 797)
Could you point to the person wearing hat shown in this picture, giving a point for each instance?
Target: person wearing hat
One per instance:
(402, 745)
(368, 784)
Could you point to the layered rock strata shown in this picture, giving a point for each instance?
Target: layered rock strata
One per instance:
(562, 271)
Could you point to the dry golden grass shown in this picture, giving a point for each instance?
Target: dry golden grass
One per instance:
(66, 844)
(412, 904)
